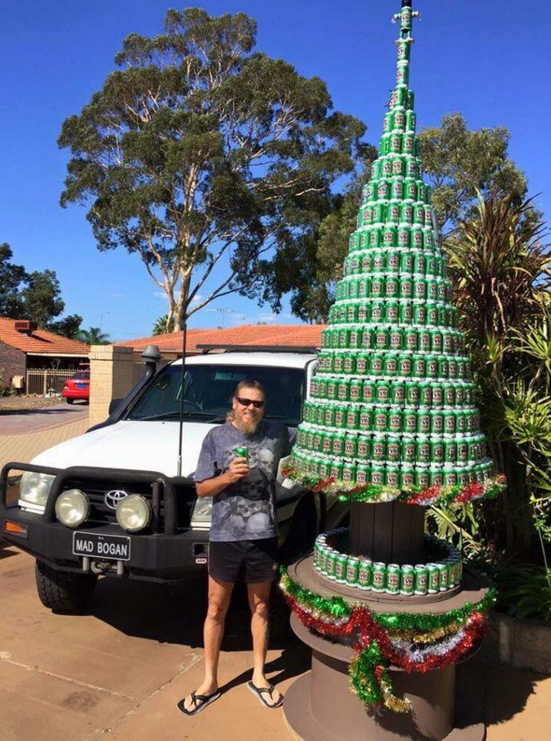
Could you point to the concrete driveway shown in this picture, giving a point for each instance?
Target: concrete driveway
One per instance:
(17, 422)
(118, 672)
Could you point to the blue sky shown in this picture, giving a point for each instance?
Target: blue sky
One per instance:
(489, 59)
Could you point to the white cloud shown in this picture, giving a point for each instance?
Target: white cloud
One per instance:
(162, 295)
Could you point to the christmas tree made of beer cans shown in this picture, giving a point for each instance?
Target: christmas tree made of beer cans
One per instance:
(391, 414)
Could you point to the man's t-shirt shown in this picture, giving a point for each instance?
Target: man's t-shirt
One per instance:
(244, 510)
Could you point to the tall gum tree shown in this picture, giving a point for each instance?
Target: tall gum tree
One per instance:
(205, 158)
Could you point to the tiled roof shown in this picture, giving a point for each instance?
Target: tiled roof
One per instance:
(40, 341)
(286, 335)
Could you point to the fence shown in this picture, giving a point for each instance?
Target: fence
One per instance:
(46, 382)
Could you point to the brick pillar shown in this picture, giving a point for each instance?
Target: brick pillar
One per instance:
(112, 375)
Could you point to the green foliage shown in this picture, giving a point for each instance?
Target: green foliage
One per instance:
(94, 336)
(200, 153)
(34, 296)
(160, 326)
(459, 162)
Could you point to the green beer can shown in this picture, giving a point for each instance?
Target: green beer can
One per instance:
(406, 286)
(410, 423)
(380, 420)
(390, 364)
(411, 121)
(395, 143)
(393, 579)
(443, 576)
(336, 470)
(338, 363)
(386, 168)
(349, 472)
(450, 423)
(436, 475)
(417, 237)
(393, 262)
(407, 580)
(340, 569)
(377, 309)
(420, 313)
(403, 236)
(433, 579)
(352, 571)
(392, 312)
(364, 445)
(356, 390)
(407, 476)
(378, 577)
(330, 563)
(381, 338)
(377, 286)
(419, 288)
(392, 286)
(432, 314)
(436, 422)
(398, 393)
(395, 419)
(362, 474)
(362, 364)
(393, 449)
(406, 217)
(408, 144)
(378, 449)
(422, 451)
(378, 474)
(450, 450)
(327, 444)
(437, 451)
(405, 366)
(396, 338)
(363, 313)
(340, 416)
(406, 312)
(419, 366)
(410, 189)
(343, 389)
(397, 188)
(432, 368)
(411, 339)
(368, 339)
(421, 579)
(420, 265)
(378, 262)
(383, 392)
(353, 419)
(369, 390)
(423, 422)
(412, 167)
(425, 393)
(409, 449)
(365, 574)
(398, 169)
(365, 419)
(436, 340)
(338, 444)
(412, 393)
(450, 477)
(349, 361)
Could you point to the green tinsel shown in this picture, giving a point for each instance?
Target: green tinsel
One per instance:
(339, 608)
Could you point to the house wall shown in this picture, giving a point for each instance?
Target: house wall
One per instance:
(113, 372)
(12, 363)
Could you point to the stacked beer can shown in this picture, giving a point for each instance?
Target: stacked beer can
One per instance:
(391, 402)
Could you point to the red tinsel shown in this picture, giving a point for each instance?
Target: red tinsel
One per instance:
(472, 491)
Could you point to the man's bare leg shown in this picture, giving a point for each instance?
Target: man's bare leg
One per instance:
(213, 632)
(259, 601)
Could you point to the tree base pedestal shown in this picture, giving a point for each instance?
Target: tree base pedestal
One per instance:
(320, 706)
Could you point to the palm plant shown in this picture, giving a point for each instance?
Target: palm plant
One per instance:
(93, 336)
(500, 269)
(161, 326)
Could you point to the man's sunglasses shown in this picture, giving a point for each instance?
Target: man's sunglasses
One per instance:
(248, 402)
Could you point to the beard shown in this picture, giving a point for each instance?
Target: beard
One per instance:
(246, 425)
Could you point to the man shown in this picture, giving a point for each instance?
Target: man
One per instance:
(243, 536)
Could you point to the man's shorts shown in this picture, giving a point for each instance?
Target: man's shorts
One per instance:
(251, 561)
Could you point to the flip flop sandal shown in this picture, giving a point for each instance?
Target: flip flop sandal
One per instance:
(261, 691)
(200, 702)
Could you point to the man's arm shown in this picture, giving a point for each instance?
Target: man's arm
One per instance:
(237, 470)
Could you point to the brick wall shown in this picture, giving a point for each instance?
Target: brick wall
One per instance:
(113, 372)
(12, 363)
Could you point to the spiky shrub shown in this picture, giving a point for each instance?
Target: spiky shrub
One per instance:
(500, 267)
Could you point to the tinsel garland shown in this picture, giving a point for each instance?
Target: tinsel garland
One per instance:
(459, 494)
(410, 641)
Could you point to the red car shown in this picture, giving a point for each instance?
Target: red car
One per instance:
(77, 387)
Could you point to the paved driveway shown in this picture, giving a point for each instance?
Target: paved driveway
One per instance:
(35, 420)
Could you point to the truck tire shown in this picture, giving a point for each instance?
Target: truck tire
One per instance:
(61, 591)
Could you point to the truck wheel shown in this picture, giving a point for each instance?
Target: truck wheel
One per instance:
(62, 591)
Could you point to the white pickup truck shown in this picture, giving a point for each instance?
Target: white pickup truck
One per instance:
(112, 502)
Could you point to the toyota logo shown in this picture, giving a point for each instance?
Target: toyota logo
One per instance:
(112, 498)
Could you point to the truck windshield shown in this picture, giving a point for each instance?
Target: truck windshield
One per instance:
(208, 390)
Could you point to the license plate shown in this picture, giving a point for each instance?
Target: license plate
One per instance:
(81, 385)
(95, 545)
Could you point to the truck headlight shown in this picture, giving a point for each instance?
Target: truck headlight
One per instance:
(201, 514)
(35, 487)
(133, 513)
(72, 507)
